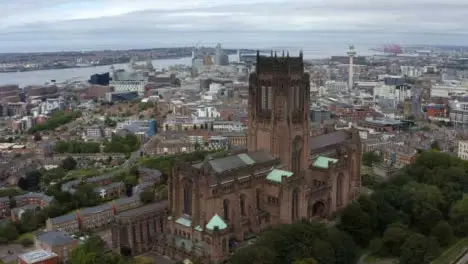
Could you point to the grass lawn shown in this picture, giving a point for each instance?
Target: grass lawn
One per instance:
(452, 253)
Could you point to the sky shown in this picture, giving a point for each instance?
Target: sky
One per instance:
(26, 25)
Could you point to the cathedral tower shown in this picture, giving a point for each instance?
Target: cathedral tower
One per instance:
(279, 92)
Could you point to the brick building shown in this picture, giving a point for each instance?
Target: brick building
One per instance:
(56, 242)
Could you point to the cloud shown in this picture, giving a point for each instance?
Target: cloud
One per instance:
(87, 19)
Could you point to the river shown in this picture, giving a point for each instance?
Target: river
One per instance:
(61, 75)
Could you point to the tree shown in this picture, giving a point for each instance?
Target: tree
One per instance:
(254, 254)
(414, 250)
(109, 122)
(76, 147)
(426, 200)
(376, 246)
(306, 261)
(443, 233)
(197, 146)
(323, 251)
(459, 217)
(343, 245)
(28, 222)
(298, 241)
(142, 260)
(26, 242)
(147, 196)
(12, 202)
(356, 223)
(92, 252)
(69, 163)
(122, 144)
(435, 145)
(369, 158)
(57, 119)
(8, 233)
(85, 195)
(37, 137)
(134, 171)
(31, 181)
(393, 238)
(131, 180)
(433, 249)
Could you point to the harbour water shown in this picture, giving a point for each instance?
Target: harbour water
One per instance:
(62, 75)
(313, 44)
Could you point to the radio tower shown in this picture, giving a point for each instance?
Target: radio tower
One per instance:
(351, 54)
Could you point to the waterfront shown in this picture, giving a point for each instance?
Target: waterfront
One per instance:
(62, 75)
(314, 45)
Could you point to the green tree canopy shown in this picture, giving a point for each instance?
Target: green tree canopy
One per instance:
(369, 158)
(299, 241)
(147, 196)
(122, 144)
(57, 119)
(443, 232)
(459, 216)
(93, 252)
(424, 199)
(76, 147)
(68, 163)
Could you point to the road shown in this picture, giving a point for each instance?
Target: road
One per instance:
(135, 155)
(464, 259)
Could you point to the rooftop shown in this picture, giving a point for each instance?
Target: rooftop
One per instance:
(153, 207)
(240, 160)
(383, 121)
(55, 238)
(95, 209)
(277, 175)
(64, 218)
(216, 222)
(323, 162)
(328, 139)
(37, 256)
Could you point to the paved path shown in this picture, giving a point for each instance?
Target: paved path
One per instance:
(464, 259)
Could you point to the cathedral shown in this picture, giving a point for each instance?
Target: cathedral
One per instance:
(285, 175)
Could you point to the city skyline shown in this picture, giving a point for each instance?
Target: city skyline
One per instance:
(24, 22)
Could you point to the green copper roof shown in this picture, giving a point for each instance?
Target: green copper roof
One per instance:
(276, 175)
(198, 228)
(245, 158)
(322, 162)
(216, 221)
(184, 221)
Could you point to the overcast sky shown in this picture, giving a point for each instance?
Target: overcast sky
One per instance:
(58, 20)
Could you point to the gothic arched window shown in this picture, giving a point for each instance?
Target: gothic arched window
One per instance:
(339, 189)
(188, 198)
(257, 198)
(226, 209)
(242, 205)
(296, 154)
(295, 205)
